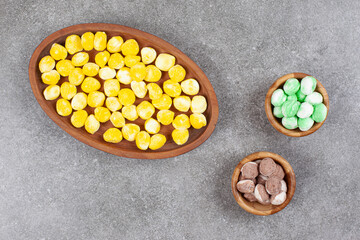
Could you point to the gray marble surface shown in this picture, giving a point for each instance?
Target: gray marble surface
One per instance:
(55, 187)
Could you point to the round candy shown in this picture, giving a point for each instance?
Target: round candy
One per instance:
(290, 122)
(261, 195)
(278, 199)
(277, 112)
(308, 85)
(250, 170)
(305, 110)
(291, 86)
(267, 166)
(314, 98)
(305, 123)
(273, 185)
(290, 108)
(278, 98)
(245, 186)
(320, 112)
(300, 96)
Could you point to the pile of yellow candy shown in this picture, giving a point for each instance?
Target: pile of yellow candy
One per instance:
(125, 73)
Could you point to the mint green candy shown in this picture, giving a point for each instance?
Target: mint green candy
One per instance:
(314, 98)
(290, 122)
(308, 85)
(277, 112)
(292, 98)
(300, 96)
(278, 98)
(320, 112)
(290, 108)
(305, 110)
(305, 123)
(291, 86)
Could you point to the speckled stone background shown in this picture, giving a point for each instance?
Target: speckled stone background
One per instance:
(55, 187)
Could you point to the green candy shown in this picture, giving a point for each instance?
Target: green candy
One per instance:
(278, 98)
(308, 85)
(291, 86)
(290, 108)
(314, 98)
(290, 122)
(320, 112)
(305, 110)
(292, 98)
(277, 112)
(300, 96)
(305, 123)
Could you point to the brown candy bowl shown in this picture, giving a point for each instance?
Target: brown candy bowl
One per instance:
(255, 207)
(276, 122)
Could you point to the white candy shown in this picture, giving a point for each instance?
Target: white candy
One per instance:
(305, 110)
(278, 199)
(283, 186)
(314, 98)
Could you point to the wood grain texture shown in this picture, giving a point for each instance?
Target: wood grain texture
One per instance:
(276, 122)
(125, 148)
(255, 207)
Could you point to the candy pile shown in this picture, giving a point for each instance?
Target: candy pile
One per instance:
(120, 73)
(298, 104)
(262, 181)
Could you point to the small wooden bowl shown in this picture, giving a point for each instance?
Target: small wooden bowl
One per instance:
(255, 207)
(276, 122)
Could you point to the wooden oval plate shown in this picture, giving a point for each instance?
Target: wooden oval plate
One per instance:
(126, 148)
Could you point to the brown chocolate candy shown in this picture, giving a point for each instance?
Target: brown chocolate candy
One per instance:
(267, 167)
(245, 186)
(250, 197)
(278, 199)
(279, 172)
(261, 195)
(261, 179)
(273, 185)
(250, 170)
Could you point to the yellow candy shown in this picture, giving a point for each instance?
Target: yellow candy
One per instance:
(116, 61)
(126, 97)
(76, 76)
(129, 112)
(117, 119)
(80, 58)
(143, 140)
(102, 58)
(198, 104)
(113, 104)
(73, 44)
(177, 73)
(64, 67)
(107, 73)
(181, 122)
(182, 103)
(130, 131)
(131, 60)
(155, 91)
(165, 117)
(100, 40)
(87, 41)
(96, 99)
(157, 141)
(52, 92)
(112, 135)
(130, 47)
(78, 118)
(63, 107)
(79, 101)
(145, 110)
(148, 55)
(153, 74)
(123, 75)
(190, 86)
(138, 72)
(197, 120)
(51, 77)
(152, 126)
(90, 69)
(58, 52)
(91, 124)
(139, 88)
(114, 44)
(67, 90)
(102, 114)
(90, 84)
(180, 136)
(165, 61)
(111, 87)
(172, 88)
(46, 64)
(162, 103)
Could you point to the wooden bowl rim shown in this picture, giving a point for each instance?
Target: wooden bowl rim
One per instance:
(259, 155)
(123, 152)
(275, 122)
